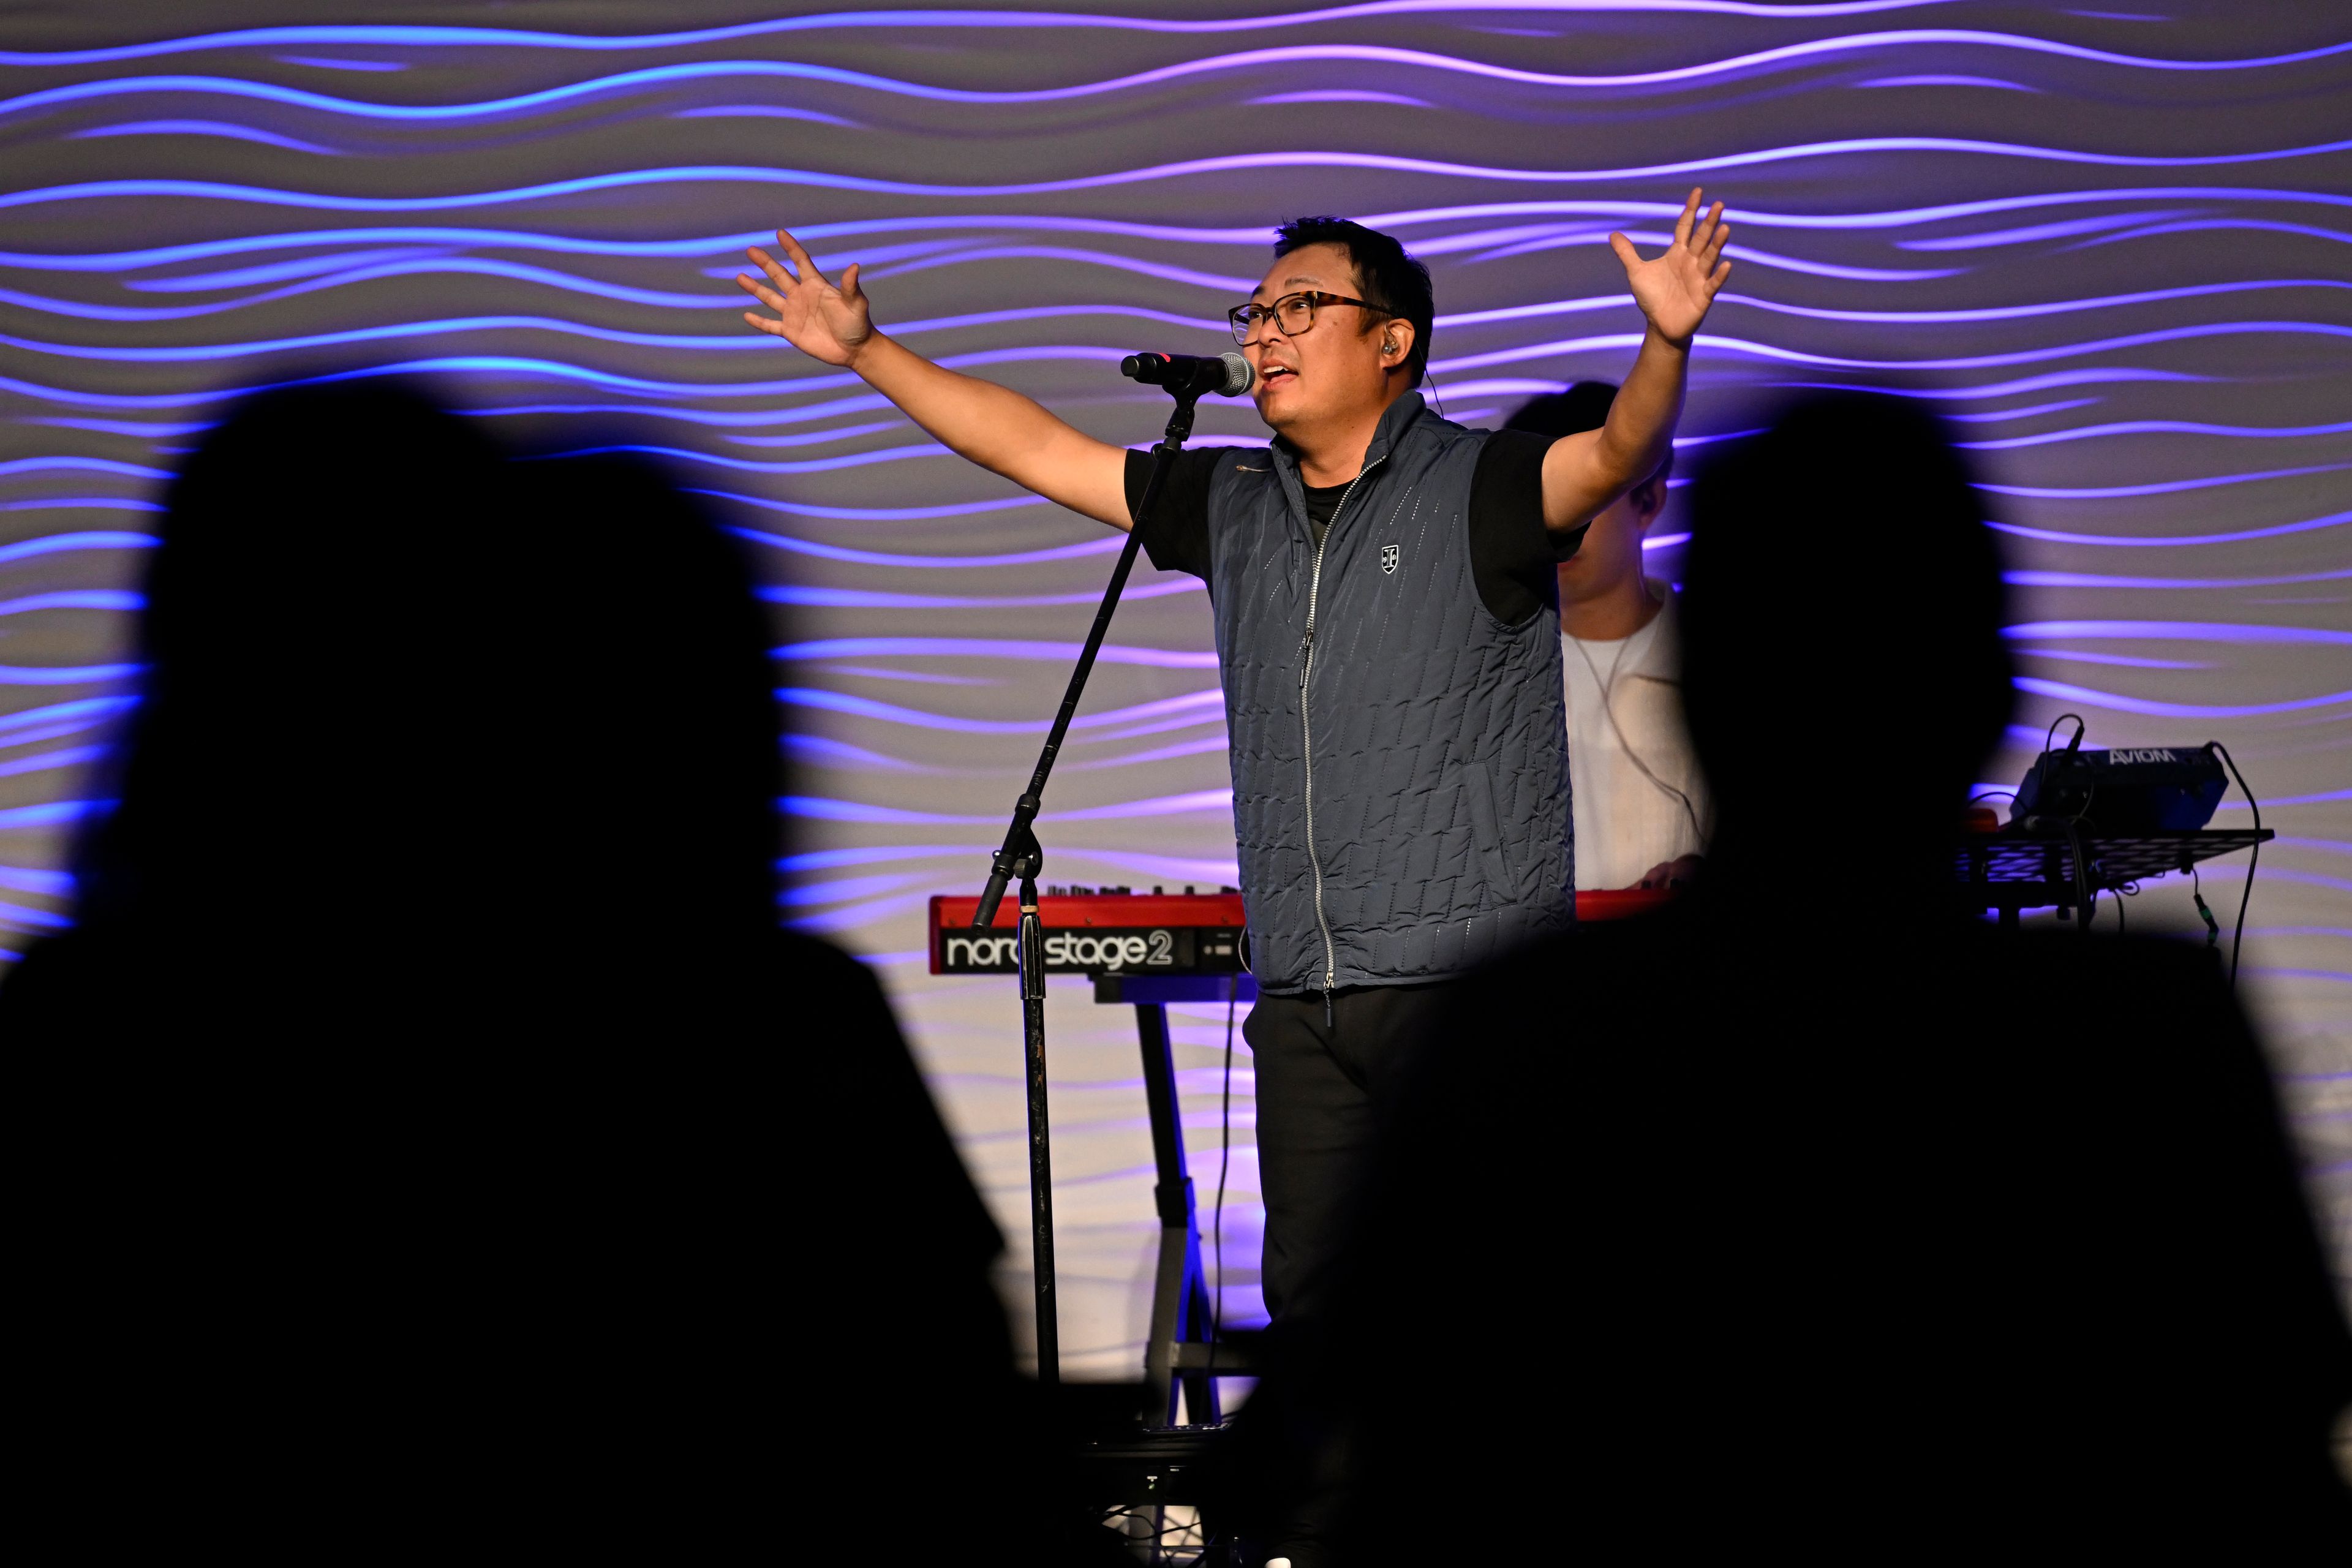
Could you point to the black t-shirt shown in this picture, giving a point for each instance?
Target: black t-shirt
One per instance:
(1512, 554)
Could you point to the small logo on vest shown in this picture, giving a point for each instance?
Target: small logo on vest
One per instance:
(1389, 560)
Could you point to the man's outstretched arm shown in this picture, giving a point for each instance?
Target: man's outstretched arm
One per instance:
(992, 425)
(1584, 472)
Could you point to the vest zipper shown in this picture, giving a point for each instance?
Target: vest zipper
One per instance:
(1306, 734)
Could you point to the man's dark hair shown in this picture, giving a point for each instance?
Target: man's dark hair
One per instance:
(1389, 279)
(1584, 407)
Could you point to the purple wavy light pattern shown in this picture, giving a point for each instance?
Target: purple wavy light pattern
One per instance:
(2111, 251)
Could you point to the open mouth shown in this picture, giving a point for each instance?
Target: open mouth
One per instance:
(1276, 375)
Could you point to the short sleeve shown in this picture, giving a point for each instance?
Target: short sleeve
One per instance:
(1512, 554)
(1176, 535)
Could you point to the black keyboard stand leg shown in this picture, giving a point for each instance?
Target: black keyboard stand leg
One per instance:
(1179, 1292)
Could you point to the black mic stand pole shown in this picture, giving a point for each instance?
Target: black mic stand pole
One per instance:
(1022, 858)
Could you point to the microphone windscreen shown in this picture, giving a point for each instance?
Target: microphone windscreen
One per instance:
(1239, 376)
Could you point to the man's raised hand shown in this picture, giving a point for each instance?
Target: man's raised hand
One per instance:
(823, 321)
(1675, 289)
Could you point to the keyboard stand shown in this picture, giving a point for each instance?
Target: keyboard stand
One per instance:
(2012, 870)
(1178, 1356)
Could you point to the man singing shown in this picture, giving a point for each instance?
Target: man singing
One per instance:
(1382, 583)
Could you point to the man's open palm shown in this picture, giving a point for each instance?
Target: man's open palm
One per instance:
(823, 321)
(1675, 289)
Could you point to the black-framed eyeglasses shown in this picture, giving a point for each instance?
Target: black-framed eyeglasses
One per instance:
(1293, 313)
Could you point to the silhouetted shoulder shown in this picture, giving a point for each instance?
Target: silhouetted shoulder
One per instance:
(835, 1025)
(50, 984)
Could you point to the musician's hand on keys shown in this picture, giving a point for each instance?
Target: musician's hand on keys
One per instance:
(822, 320)
(1677, 873)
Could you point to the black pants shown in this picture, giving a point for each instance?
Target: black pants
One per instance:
(1323, 1089)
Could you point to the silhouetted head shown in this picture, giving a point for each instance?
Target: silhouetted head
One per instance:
(670, 738)
(405, 697)
(328, 587)
(1843, 666)
(1610, 559)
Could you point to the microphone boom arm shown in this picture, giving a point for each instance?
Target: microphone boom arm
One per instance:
(1020, 845)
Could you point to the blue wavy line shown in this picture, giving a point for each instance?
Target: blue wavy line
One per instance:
(27, 880)
(83, 503)
(2180, 631)
(202, 128)
(760, 111)
(58, 543)
(2003, 415)
(557, 369)
(131, 261)
(1563, 239)
(2201, 226)
(717, 418)
(50, 732)
(73, 599)
(1992, 81)
(2116, 702)
(1912, 317)
(2157, 428)
(737, 341)
(195, 352)
(1225, 164)
(1974, 361)
(82, 466)
(280, 271)
(482, 267)
(1053, 253)
(819, 808)
(2071, 656)
(822, 438)
(145, 429)
(828, 753)
(2095, 580)
(1284, 55)
(505, 38)
(88, 708)
(868, 599)
(48, 762)
(48, 814)
(1897, 217)
(370, 267)
(209, 351)
(891, 712)
(19, 916)
(2069, 229)
(985, 647)
(2053, 536)
(747, 465)
(2159, 488)
(1106, 544)
(2098, 376)
(64, 675)
(1206, 745)
(343, 65)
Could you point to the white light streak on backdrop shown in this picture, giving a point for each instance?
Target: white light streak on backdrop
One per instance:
(2111, 248)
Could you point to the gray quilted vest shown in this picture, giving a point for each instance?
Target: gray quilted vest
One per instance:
(1400, 757)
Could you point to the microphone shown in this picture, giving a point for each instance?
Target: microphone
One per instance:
(1189, 375)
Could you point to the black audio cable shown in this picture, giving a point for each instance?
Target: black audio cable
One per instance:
(2238, 936)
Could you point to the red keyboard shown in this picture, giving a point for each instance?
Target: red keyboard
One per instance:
(1116, 931)
(1096, 931)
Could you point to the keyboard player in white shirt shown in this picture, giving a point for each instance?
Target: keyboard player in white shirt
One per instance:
(1642, 811)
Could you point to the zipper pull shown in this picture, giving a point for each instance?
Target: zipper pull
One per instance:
(1306, 656)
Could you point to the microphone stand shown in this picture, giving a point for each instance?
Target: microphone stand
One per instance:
(1020, 858)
